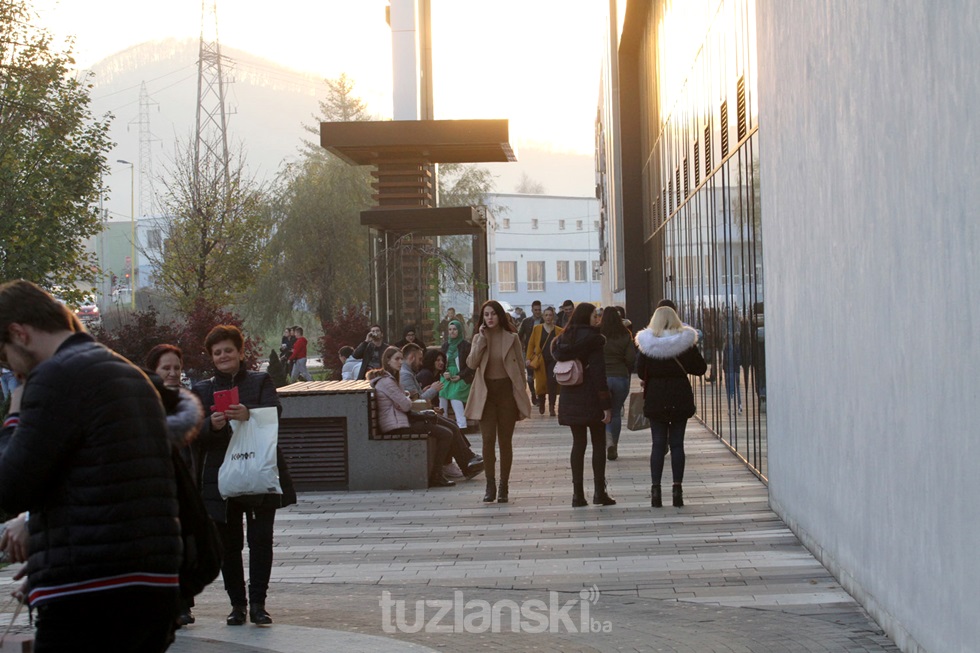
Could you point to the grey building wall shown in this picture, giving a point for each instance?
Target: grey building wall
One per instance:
(870, 168)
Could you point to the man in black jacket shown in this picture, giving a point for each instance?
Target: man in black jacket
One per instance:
(370, 351)
(84, 450)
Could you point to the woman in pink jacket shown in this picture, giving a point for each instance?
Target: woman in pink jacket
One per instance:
(395, 416)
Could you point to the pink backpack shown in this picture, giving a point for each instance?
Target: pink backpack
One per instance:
(569, 372)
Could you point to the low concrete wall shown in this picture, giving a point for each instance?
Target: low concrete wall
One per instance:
(372, 464)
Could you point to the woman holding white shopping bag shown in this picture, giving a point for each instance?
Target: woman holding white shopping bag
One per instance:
(226, 346)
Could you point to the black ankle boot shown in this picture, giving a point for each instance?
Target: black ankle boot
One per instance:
(656, 498)
(602, 498)
(678, 495)
(502, 492)
(491, 494)
(237, 616)
(578, 496)
(258, 616)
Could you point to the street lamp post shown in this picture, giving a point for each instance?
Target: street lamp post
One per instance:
(132, 236)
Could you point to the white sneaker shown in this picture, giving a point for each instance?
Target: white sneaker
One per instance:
(452, 470)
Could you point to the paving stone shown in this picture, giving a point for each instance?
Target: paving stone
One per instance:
(721, 574)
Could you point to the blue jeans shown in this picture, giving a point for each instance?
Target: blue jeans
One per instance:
(9, 382)
(662, 432)
(619, 388)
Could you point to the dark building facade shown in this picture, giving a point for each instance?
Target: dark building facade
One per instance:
(690, 196)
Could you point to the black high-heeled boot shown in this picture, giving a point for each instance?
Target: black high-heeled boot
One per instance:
(601, 496)
(491, 493)
(578, 496)
(502, 492)
(678, 495)
(656, 498)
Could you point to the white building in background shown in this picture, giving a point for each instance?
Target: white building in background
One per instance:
(543, 247)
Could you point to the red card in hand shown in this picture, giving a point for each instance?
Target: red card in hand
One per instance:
(223, 399)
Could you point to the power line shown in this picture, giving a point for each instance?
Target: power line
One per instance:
(130, 88)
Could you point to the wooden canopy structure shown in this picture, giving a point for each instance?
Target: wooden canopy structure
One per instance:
(405, 220)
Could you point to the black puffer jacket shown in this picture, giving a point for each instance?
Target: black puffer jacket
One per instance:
(255, 390)
(584, 403)
(663, 363)
(91, 461)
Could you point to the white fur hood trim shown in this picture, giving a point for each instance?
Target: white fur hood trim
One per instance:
(668, 345)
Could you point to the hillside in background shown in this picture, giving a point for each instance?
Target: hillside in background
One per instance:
(269, 104)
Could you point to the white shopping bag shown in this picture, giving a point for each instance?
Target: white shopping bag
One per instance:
(250, 461)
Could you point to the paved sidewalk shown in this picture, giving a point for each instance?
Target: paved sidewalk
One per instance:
(354, 570)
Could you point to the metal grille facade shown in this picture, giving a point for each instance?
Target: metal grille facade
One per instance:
(710, 242)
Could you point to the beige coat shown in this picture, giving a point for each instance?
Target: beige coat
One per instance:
(513, 363)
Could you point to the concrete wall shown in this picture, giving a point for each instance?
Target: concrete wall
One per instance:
(371, 464)
(870, 146)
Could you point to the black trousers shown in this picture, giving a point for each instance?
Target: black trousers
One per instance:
(459, 446)
(497, 425)
(441, 434)
(259, 523)
(580, 435)
(127, 620)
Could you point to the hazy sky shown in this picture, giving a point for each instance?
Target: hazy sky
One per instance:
(535, 62)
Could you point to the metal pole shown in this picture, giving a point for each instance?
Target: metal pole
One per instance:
(132, 235)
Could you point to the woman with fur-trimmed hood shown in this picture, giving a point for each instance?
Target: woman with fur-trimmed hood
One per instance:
(667, 354)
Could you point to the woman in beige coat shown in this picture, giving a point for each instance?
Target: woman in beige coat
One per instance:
(498, 397)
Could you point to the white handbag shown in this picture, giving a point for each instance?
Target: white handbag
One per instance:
(250, 461)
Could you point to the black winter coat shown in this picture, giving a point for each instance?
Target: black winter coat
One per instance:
(584, 403)
(255, 390)
(91, 461)
(365, 352)
(663, 363)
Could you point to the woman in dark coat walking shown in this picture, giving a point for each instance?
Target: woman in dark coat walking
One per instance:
(585, 408)
(667, 354)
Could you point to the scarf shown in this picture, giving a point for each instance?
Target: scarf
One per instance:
(452, 353)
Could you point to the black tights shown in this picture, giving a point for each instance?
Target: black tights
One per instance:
(580, 433)
(663, 432)
(497, 425)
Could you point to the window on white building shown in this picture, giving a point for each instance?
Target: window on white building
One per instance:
(507, 276)
(562, 275)
(580, 270)
(505, 223)
(579, 224)
(596, 271)
(534, 223)
(595, 225)
(153, 239)
(535, 276)
(561, 225)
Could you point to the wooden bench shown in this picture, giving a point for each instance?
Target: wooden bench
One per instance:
(330, 436)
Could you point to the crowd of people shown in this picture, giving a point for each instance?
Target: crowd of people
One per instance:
(100, 479)
(508, 368)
